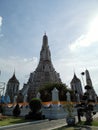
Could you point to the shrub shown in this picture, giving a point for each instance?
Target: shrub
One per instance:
(35, 105)
(46, 91)
(35, 113)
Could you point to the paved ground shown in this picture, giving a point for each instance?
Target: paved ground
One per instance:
(43, 125)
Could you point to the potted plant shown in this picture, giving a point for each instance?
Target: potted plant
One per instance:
(70, 118)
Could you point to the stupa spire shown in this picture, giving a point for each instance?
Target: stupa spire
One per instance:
(92, 93)
(45, 40)
(45, 54)
(88, 79)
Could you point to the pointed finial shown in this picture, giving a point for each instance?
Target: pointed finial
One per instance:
(74, 70)
(14, 72)
(45, 33)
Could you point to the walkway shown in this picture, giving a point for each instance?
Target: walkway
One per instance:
(43, 125)
(37, 125)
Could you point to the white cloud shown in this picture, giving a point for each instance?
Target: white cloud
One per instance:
(87, 39)
(82, 41)
(22, 66)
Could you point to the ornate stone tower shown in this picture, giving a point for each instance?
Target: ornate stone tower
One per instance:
(88, 79)
(92, 92)
(12, 87)
(44, 73)
(76, 85)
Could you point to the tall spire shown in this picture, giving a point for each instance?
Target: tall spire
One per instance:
(76, 85)
(45, 52)
(91, 91)
(88, 79)
(45, 40)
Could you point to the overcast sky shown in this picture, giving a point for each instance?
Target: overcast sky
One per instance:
(72, 30)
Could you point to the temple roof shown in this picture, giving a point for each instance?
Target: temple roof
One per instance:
(75, 79)
(13, 79)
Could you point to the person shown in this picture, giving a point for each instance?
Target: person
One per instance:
(1, 109)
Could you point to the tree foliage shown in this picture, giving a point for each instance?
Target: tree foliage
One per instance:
(35, 105)
(35, 113)
(87, 87)
(46, 91)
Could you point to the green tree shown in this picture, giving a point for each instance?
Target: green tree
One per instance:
(46, 91)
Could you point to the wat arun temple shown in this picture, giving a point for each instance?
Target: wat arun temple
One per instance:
(45, 73)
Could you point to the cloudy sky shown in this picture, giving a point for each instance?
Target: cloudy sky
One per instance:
(72, 30)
